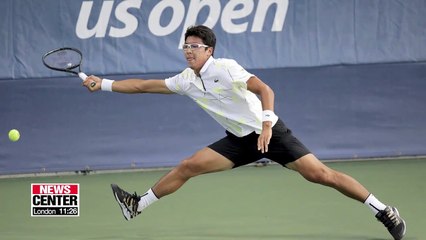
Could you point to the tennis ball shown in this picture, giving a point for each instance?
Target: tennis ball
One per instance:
(14, 135)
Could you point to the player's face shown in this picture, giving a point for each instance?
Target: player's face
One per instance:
(196, 53)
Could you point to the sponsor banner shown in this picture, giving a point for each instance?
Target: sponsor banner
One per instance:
(145, 36)
(55, 200)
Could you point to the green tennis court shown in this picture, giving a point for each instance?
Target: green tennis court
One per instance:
(246, 203)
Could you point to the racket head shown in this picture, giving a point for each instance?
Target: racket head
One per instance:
(65, 59)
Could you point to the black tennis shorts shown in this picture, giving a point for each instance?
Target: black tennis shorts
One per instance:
(283, 147)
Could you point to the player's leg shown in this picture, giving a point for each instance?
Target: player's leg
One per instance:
(315, 171)
(204, 161)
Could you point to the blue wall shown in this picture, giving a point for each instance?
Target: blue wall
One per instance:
(337, 111)
(349, 78)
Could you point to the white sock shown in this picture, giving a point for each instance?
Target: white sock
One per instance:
(147, 199)
(374, 204)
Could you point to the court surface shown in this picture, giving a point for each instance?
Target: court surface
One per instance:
(246, 203)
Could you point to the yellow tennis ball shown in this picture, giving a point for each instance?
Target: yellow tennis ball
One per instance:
(14, 135)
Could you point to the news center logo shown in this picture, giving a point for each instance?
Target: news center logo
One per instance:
(55, 200)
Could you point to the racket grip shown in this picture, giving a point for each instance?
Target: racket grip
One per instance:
(83, 77)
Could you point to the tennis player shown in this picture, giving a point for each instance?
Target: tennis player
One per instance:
(244, 106)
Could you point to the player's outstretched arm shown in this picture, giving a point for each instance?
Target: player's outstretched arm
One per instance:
(128, 85)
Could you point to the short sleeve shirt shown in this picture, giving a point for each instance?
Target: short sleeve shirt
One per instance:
(221, 90)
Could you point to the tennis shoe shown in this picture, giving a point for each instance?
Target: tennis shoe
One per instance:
(392, 221)
(128, 202)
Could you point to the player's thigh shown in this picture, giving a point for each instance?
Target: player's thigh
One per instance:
(206, 160)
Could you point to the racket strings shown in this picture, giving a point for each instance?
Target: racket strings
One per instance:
(65, 59)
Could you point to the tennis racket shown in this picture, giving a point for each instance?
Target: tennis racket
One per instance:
(66, 59)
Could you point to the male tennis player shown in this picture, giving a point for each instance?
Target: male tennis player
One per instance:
(229, 94)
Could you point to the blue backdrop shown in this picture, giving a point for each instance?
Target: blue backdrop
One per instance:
(135, 36)
(349, 78)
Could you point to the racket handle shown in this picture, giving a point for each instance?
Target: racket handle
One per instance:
(83, 77)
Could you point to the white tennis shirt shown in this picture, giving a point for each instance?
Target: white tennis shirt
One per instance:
(222, 92)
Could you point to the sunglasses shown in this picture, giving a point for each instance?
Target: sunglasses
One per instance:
(192, 46)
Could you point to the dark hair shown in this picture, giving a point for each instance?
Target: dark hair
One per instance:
(203, 32)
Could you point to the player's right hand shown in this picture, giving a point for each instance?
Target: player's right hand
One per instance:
(88, 83)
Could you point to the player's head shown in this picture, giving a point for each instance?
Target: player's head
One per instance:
(204, 33)
(200, 42)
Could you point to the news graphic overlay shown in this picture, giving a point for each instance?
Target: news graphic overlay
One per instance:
(55, 200)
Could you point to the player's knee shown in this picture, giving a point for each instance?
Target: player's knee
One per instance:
(190, 168)
(321, 176)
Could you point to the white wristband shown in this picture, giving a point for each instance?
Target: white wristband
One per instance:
(106, 85)
(268, 115)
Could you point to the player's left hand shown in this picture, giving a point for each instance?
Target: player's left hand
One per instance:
(264, 137)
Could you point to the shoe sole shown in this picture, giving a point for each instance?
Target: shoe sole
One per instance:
(124, 210)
